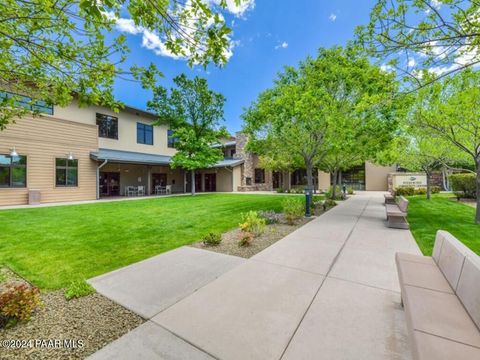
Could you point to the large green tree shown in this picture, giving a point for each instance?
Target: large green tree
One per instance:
(52, 49)
(448, 109)
(328, 104)
(193, 112)
(441, 35)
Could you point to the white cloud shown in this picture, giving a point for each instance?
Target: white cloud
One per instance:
(332, 17)
(411, 63)
(386, 68)
(283, 45)
(233, 8)
(153, 42)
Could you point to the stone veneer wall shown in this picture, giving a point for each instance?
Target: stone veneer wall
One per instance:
(248, 169)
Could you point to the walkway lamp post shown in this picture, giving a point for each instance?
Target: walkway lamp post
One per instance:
(308, 201)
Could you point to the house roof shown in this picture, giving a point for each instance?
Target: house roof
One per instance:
(129, 157)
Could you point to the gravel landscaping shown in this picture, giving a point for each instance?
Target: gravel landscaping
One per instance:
(230, 239)
(92, 320)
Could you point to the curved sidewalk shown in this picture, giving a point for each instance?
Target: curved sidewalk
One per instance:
(326, 291)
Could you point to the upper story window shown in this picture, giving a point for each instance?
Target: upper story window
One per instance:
(144, 134)
(13, 171)
(66, 172)
(107, 126)
(28, 103)
(259, 176)
(172, 140)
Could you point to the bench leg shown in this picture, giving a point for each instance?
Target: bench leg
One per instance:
(398, 223)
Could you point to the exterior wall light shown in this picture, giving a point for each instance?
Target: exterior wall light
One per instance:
(70, 156)
(13, 153)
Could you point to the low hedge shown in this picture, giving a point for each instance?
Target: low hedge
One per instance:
(464, 185)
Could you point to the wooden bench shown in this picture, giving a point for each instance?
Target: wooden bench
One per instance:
(441, 298)
(397, 214)
(389, 197)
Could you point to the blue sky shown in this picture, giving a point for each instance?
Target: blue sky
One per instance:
(268, 36)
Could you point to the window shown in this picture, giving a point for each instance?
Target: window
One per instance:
(13, 171)
(172, 140)
(107, 126)
(66, 172)
(259, 176)
(28, 103)
(144, 134)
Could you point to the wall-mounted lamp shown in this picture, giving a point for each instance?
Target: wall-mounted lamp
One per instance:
(13, 153)
(70, 156)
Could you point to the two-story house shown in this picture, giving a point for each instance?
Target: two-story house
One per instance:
(73, 154)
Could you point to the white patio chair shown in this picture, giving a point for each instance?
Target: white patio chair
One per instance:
(168, 189)
(141, 190)
(131, 191)
(159, 190)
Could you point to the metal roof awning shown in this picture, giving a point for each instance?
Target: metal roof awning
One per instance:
(128, 157)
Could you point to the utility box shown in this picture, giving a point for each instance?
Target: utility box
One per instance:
(34, 197)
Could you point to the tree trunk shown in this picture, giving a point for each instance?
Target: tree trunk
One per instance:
(477, 214)
(429, 185)
(193, 181)
(309, 175)
(334, 185)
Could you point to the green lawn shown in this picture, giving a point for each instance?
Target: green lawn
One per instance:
(53, 246)
(442, 213)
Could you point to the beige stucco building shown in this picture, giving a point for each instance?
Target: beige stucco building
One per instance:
(83, 153)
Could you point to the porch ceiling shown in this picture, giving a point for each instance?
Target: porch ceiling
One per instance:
(119, 156)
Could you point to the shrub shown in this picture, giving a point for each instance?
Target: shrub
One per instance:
(280, 190)
(246, 238)
(252, 223)
(405, 191)
(270, 216)
(464, 185)
(420, 191)
(350, 191)
(328, 203)
(293, 209)
(338, 193)
(435, 189)
(78, 289)
(18, 302)
(212, 239)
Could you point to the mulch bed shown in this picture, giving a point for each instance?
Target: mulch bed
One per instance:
(272, 234)
(93, 319)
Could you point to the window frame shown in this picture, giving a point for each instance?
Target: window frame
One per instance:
(66, 168)
(10, 168)
(39, 106)
(263, 176)
(145, 128)
(99, 117)
(171, 140)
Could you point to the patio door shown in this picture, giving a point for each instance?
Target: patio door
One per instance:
(109, 184)
(211, 182)
(158, 179)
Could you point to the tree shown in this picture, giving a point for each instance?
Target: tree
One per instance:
(441, 35)
(193, 112)
(313, 109)
(50, 50)
(449, 110)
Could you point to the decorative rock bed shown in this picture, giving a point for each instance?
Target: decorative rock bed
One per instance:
(87, 324)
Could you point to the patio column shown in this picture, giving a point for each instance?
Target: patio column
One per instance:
(149, 180)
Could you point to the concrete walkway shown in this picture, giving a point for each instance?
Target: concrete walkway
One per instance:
(327, 291)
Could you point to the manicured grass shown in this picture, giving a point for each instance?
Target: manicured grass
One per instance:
(54, 246)
(442, 213)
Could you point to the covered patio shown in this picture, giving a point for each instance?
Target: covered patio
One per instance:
(124, 173)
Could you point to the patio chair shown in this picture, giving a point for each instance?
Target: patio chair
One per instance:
(159, 190)
(141, 190)
(130, 191)
(168, 189)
